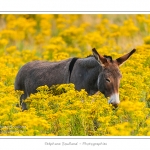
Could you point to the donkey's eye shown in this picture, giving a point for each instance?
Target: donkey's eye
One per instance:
(107, 80)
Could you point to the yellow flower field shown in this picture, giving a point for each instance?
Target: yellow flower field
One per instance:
(61, 110)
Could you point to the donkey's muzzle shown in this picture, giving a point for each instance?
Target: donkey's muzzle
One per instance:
(114, 100)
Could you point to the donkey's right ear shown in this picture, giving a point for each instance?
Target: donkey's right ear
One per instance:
(100, 59)
(122, 59)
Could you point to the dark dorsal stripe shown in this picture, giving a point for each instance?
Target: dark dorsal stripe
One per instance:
(71, 66)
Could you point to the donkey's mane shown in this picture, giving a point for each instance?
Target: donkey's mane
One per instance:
(108, 57)
(89, 56)
(90, 61)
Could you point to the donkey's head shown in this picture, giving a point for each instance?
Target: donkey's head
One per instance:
(109, 78)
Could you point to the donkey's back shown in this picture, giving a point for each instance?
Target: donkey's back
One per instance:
(38, 73)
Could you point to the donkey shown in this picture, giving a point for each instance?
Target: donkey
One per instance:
(94, 73)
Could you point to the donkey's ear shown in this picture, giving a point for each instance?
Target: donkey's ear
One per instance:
(100, 59)
(122, 59)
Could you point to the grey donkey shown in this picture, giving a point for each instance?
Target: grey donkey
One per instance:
(94, 73)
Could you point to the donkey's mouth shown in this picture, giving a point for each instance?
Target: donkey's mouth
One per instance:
(113, 104)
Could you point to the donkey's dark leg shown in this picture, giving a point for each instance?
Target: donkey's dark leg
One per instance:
(23, 105)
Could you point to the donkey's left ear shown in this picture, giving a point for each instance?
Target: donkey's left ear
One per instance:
(122, 59)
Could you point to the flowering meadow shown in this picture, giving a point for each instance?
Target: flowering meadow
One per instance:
(61, 110)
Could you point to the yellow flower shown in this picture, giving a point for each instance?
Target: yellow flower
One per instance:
(3, 42)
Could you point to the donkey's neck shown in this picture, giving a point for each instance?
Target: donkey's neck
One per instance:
(89, 62)
(85, 74)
